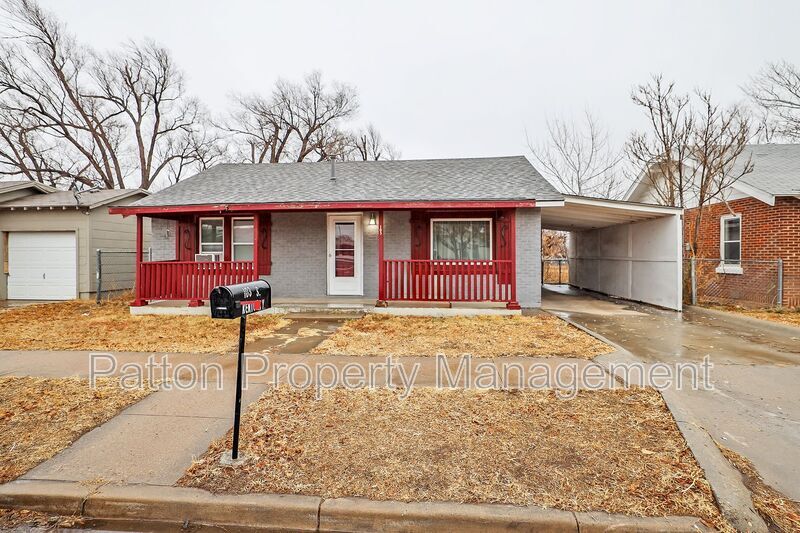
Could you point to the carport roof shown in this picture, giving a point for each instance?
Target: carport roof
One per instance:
(583, 213)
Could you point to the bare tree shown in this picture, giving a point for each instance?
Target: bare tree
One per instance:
(368, 145)
(662, 153)
(692, 153)
(73, 117)
(296, 122)
(776, 90)
(554, 244)
(578, 158)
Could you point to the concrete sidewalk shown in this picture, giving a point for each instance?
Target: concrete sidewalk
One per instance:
(754, 408)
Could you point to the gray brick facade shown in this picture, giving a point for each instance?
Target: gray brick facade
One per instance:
(299, 252)
(162, 243)
(529, 257)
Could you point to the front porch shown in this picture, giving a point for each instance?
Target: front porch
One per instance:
(436, 259)
(338, 305)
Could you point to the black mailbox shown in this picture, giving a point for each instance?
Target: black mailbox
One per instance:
(234, 301)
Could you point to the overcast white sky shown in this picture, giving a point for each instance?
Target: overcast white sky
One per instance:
(457, 79)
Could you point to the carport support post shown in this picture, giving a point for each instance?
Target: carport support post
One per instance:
(693, 276)
(780, 283)
(238, 406)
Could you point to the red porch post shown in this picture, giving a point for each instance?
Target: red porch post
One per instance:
(195, 236)
(138, 301)
(381, 268)
(256, 250)
(513, 304)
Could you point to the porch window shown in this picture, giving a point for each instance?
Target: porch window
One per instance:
(242, 239)
(212, 235)
(469, 239)
(731, 239)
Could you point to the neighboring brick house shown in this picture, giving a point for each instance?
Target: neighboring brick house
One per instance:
(758, 220)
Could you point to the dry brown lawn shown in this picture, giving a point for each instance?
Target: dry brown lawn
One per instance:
(485, 336)
(85, 325)
(39, 417)
(781, 513)
(27, 520)
(617, 451)
(790, 316)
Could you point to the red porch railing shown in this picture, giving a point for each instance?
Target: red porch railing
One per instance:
(189, 280)
(448, 281)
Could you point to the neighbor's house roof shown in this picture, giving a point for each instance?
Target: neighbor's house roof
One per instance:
(491, 179)
(776, 172)
(15, 185)
(66, 199)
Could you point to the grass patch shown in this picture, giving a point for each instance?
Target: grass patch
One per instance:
(618, 451)
(27, 520)
(483, 336)
(86, 325)
(776, 509)
(39, 417)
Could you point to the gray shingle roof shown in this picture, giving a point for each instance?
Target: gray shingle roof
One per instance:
(67, 199)
(480, 179)
(776, 168)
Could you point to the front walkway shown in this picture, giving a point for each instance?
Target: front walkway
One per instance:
(754, 408)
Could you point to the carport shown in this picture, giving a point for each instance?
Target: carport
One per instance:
(622, 249)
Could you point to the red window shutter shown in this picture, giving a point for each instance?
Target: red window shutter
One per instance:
(420, 236)
(227, 239)
(264, 244)
(503, 243)
(186, 239)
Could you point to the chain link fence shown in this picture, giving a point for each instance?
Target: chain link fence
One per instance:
(555, 271)
(749, 283)
(115, 272)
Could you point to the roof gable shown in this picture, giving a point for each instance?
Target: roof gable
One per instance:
(67, 199)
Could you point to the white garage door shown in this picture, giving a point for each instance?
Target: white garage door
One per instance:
(41, 265)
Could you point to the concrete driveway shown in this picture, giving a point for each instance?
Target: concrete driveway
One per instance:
(754, 408)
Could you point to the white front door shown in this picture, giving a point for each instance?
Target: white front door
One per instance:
(42, 265)
(345, 255)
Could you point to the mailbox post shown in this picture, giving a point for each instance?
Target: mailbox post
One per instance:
(238, 301)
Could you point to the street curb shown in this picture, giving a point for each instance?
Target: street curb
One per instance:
(774, 327)
(176, 505)
(733, 497)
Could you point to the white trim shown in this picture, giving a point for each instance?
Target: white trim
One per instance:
(729, 268)
(758, 194)
(549, 203)
(468, 219)
(358, 257)
(233, 237)
(622, 204)
(200, 235)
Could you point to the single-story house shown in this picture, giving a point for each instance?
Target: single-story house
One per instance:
(48, 239)
(452, 231)
(752, 224)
